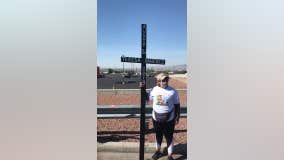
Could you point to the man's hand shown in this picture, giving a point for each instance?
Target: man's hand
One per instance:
(141, 84)
(177, 120)
(177, 113)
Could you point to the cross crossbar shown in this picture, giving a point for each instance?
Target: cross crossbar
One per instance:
(139, 60)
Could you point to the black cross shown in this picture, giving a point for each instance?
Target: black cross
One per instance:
(143, 62)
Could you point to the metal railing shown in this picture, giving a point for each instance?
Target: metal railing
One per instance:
(128, 111)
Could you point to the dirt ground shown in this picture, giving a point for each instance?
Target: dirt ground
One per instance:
(127, 130)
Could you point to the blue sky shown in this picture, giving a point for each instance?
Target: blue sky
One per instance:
(119, 30)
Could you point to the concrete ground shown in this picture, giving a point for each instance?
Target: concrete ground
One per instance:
(130, 151)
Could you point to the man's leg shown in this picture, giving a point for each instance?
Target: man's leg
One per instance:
(169, 132)
(159, 134)
(159, 138)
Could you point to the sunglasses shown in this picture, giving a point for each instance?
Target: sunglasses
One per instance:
(164, 80)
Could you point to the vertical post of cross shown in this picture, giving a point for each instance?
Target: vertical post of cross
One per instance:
(143, 90)
(143, 62)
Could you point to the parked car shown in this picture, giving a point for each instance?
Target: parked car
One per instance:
(126, 75)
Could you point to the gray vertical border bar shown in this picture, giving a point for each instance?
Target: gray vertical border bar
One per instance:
(95, 85)
(189, 131)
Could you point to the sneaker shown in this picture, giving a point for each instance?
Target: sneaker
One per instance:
(170, 158)
(156, 155)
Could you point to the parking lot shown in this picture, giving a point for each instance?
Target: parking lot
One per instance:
(117, 81)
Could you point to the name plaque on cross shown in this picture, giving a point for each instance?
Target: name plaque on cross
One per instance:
(139, 60)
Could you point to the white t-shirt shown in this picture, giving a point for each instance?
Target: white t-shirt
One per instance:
(164, 100)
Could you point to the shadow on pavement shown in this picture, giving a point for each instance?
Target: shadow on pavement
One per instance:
(114, 138)
(179, 149)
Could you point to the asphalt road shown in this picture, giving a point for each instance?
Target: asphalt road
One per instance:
(117, 81)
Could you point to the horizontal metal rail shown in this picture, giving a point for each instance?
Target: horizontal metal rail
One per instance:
(128, 111)
(110, 90)
(105, 116)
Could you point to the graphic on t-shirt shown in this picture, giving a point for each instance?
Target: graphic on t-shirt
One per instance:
(161, 100)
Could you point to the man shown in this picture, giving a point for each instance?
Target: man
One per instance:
(165, 114)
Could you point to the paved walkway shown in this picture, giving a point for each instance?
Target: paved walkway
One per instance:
(130, 151)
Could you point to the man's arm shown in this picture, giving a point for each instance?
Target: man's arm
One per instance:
(147, 96)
